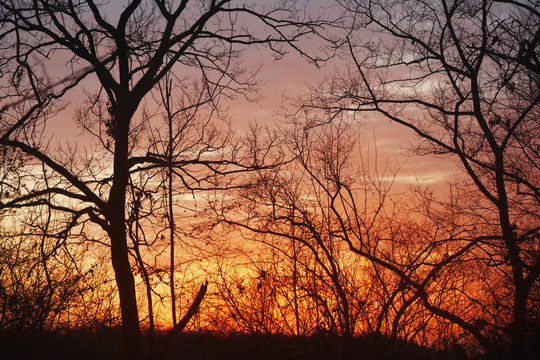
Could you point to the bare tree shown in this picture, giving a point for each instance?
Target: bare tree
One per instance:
(118, 55)
(378, 265)
(46, 284)
(299, 204)
(463, 76)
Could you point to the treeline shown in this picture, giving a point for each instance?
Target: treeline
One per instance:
(105, 344)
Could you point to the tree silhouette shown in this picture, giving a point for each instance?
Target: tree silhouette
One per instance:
(463, 77)
(117, 57)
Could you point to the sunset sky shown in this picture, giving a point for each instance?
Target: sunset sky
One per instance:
(286, 80)
(289, 78)
(256, 168)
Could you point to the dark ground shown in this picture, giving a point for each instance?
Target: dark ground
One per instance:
(106, 344)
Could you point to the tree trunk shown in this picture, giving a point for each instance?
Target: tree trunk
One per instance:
(146, 279)
(118, 235)
(126, 290)
(519, 323)
(517, 330)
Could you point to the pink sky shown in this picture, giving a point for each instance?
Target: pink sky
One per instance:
(290, 77)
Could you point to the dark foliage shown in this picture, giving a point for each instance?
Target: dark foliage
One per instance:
(106, 344)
